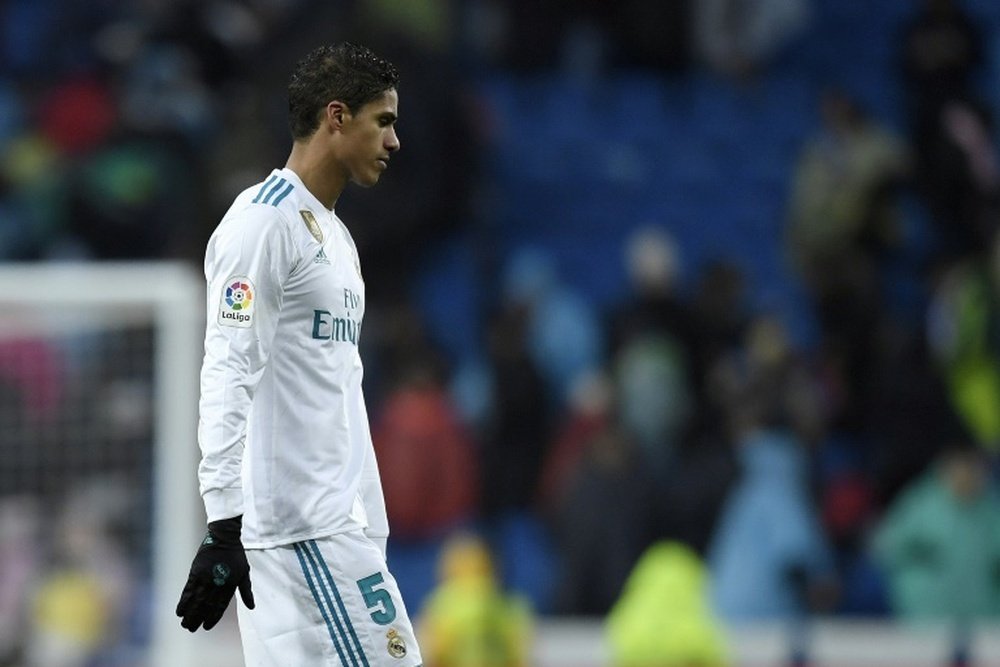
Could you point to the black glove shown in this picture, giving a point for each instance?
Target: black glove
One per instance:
(218, 569)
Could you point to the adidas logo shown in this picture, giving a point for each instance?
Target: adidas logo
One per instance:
(321, 258)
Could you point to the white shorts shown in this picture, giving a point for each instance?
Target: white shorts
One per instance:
(328, 602)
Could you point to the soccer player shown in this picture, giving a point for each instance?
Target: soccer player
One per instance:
(288, 473)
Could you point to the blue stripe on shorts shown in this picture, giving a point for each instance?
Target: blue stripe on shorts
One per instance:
(340, 602)
(335, 634)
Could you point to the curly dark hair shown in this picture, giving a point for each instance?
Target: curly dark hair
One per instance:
(346, 72)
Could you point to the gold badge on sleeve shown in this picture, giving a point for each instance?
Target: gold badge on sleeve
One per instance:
(312, 225)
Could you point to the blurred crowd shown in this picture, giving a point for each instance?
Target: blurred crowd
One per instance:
(678, 437)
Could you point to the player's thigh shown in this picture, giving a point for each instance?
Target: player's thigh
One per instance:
(285, 627)
(361, 600)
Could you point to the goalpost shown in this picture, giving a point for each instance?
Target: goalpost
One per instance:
(98, 398)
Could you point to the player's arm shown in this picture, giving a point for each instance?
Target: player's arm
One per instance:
(245, 268)
(246, 265)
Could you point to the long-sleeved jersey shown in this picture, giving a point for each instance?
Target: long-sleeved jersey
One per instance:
(283, 427)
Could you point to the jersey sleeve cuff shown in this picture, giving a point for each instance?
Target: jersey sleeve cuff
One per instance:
(223, 503)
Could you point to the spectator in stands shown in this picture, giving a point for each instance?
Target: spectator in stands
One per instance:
(690, 497)
(468, 619)
(663, 617)
(657, 315)
(123, 203)
(654, 402)
(908, 411)
(939, 51)
(770, 374)
(842, 225)
(655, 305)
(842, 213)
(848, 509)
(83, 600)
(517, 428)
(563, 334)
(740, 37)
(959, 179)
(704, 466)
(422, 445)
(33, 187)
(601, 524)
(768, 557)
(720, 313)
(964, 334)
(721, 310)
(940, 541)
(589, 412)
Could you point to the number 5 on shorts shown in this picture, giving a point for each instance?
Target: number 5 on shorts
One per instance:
(377, 597)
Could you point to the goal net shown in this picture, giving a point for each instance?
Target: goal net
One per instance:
(99, 510)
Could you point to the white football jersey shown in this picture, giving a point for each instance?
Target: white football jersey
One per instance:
(283, 427)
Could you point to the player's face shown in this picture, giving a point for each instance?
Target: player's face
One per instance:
(370, 139)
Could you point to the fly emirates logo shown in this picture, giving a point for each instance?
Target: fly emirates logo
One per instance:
(341, 329)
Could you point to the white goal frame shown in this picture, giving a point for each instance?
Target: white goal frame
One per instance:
(171, 298)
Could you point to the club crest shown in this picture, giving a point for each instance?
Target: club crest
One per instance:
(396, 645)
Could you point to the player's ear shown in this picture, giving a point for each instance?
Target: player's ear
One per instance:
(336, 114)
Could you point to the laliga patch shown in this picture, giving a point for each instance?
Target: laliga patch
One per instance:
(236, 305)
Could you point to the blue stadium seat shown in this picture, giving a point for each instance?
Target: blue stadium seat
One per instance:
(711, 161)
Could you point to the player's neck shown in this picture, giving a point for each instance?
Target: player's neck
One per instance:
(320, 176)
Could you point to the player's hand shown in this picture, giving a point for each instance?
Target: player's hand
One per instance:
(218, 569)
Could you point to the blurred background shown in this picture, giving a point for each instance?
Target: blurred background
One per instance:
(683, 317)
